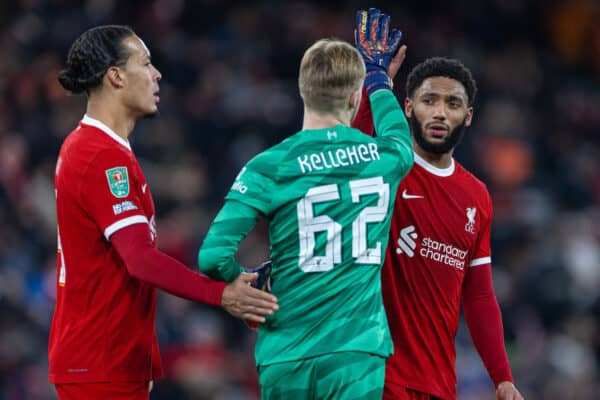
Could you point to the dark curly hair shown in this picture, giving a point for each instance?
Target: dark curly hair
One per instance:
(441, 66)
(90, 56)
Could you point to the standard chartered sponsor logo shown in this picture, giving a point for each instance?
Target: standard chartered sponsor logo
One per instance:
(406, 243)
(434, 250)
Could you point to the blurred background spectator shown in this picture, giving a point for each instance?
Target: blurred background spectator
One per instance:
(229, 90)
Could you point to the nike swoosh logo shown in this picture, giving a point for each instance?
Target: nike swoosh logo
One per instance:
(144, 187)
(405, 195)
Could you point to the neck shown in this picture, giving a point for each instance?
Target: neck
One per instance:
(111, 113)
(441, 161)
(313, 120)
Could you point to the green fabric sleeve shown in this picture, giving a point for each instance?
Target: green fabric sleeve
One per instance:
(391, 124)
(216, 257)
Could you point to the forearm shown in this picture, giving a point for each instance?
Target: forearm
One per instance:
(388, 117)
(216, 257)
(484, 320)
(146, 263)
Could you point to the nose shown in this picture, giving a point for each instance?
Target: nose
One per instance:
(439, 111)
(158, 74)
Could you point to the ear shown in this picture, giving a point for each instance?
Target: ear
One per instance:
(115, 77)
(469, 117)
(408, 107)
(354, 100)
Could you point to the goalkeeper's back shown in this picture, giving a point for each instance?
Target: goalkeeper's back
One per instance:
(328, 194)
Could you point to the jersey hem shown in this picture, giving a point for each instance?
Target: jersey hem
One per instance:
(60, 379)
(419, 388)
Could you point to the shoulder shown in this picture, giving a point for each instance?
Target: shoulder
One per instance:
(267, 161)
(473, 185)
(470, 179)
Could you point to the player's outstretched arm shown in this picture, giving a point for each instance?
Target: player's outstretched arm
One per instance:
(484, 320)
(146, 263)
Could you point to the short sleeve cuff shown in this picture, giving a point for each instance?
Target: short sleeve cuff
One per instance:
(120, 224)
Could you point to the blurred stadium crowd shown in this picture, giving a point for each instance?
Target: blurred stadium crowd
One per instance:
(229, 90)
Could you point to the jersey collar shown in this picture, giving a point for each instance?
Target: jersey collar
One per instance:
(444, 172)
(98, 124)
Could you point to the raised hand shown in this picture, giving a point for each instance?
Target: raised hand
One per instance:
(378, 47)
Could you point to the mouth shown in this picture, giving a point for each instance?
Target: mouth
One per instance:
(437, 130)
(157, 96)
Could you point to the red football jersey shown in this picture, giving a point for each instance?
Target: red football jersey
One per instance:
(440, 229)
(103, 323)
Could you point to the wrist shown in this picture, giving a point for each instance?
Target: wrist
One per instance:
(505, 383)
(377, 79)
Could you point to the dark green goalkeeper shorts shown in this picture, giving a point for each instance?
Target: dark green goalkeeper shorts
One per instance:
(339, 376)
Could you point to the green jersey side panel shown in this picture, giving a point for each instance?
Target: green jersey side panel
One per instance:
(328, 195)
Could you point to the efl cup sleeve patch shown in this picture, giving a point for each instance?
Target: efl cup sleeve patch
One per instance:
(118, 181)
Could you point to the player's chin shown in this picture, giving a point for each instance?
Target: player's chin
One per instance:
(151, 111)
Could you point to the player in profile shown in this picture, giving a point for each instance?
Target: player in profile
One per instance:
(439, 249)
(103, 341)
(327, 192)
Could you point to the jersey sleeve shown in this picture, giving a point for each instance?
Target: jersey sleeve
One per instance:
(254, 186)
(482, 253)
(108, 192)
(216, 257)
(392, 128)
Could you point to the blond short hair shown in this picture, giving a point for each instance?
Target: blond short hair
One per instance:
(330, 71)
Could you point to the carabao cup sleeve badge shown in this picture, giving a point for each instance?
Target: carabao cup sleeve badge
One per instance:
(118, 181)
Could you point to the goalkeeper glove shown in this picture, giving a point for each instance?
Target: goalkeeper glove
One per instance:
(377, 47)
(264, 276)
(262, 283)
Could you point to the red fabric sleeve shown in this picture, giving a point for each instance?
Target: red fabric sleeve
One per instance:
(364, 117)
(484, 320)
(146, 263)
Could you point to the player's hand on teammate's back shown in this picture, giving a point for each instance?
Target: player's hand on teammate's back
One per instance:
(507, 391)
(242, 300)
(378, 47)
(262, 283)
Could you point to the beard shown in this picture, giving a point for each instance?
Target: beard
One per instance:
(151, 115)
(446, 146)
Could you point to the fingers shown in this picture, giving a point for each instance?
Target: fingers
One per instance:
(248, 278)
(394, 39)
(361, 27)
(259, 298)
(396, 62)
(373, 23)
(382, 32)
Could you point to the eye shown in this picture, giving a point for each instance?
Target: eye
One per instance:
(428, 101)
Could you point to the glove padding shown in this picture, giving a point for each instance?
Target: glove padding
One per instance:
(377, 47)
(262, 283)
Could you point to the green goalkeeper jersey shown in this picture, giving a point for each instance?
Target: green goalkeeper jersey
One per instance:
(328, 195)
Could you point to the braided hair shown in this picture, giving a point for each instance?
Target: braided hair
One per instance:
(90, 56)
(445, 67)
